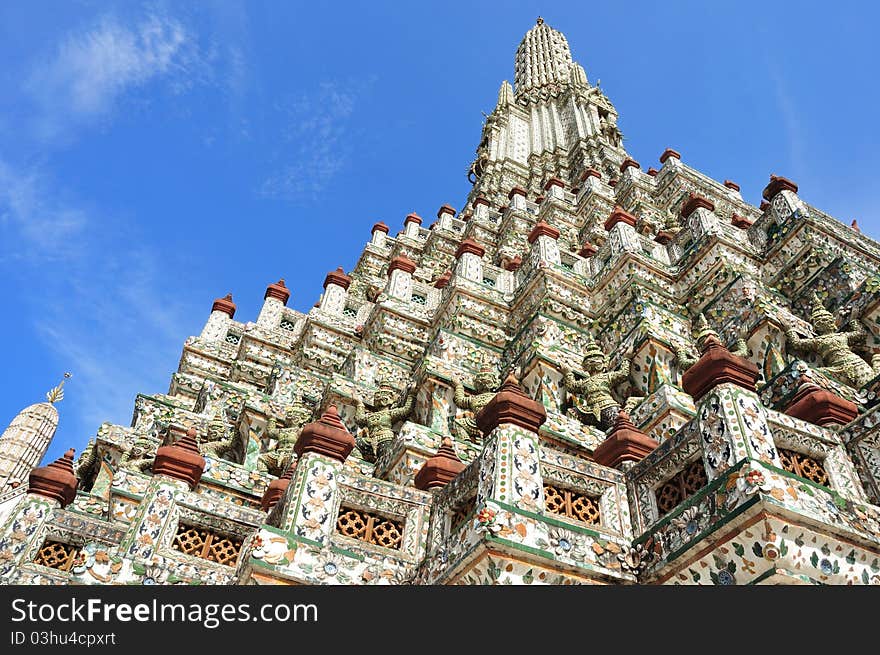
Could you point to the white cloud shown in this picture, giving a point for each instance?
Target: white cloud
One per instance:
(318, 139)
(101, 310)
(90, 70)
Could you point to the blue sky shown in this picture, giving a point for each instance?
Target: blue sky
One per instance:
(154, 156)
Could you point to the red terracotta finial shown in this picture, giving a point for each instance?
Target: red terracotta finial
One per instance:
(669, 152)
(276, 490)
(590, 172)
(224, 305)
(629, 162)
(624, 443)
(618, 215)
(816, 405)
(588, 250)
(56, 481)
(718, 365)
(855, 225)
(327, 436)
(445, 209)
(740, 221)
(380, 227)
(337, 277)
(652, 171)
(777, 184)
(542, 229)
(695, 202)
(511, 405)
(731, 185)
(513, 264)
(517, 191)
(412, 218)
(181, 460)
(552, 182)
(403, 263)
(480, 200)
(443, 281)
(440, 469)
(278, 290)
(470, 246)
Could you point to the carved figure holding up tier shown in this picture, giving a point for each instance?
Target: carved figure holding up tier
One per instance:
(219, 438)
(598, 406)
(140, 456)
(380, 421)
(835, 348)
(86, 462)
(486, 385)
(685, 357)
(277, 460)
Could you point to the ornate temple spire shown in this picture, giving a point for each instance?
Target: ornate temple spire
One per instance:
(505, 94)
(56, 394)
(543, 57)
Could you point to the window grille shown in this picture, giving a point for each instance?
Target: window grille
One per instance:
(804, 466)
(349, 311)
(571, 504)
(56, 555)
(681, 486)
(232, 338)
(370, 528)
(419, 300)
(287, 325)
(490, 281)
(207, 545)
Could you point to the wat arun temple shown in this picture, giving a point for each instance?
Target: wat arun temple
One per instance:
(595, 371)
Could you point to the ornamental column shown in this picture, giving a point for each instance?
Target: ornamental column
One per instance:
(335, 291)
(444, 217)
(545, 250)
(470, 260)
(379, 234)
(400, 272)
(307, 507)
(50, 488)
(274, 301)
(222, 312)
(411, 225)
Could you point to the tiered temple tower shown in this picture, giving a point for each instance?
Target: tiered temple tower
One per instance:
(591, 373)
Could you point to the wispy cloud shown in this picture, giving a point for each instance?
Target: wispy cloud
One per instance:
(101, 309)
(86, 77)
(316, 141)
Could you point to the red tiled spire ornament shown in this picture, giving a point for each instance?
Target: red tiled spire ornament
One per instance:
(56, 481)
(778, 183)
(337, 277)
(327, 436)
(403, 263)
(718, 365)
(278, 290)
(816, 405)
(224, 305)
(669, 152)
(511, 405)
(618, 215)
(624, 443)
(181, 460)
(276, 490)
(440, 469)
(542, 229)
(470, 246)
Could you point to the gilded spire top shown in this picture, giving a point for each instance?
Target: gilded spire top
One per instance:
(56, 394)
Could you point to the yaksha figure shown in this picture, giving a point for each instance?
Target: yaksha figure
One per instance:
(86, 462)
(835, 347)
(701, 331)
(599, 407)
(486, 384)
(380, 421)
(219, 438)
(277, 460)
(140, 456)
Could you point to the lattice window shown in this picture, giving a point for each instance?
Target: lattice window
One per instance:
(681, 486)
(56, 555)
(207, 545)
(419, 300)
(288, 325)
(233, 338)
(350, 312)
(461, 512)
(571, 504)
(804, 466)
(371, 528)
(490, 281)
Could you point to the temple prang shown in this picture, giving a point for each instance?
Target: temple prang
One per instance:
(590, 372)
